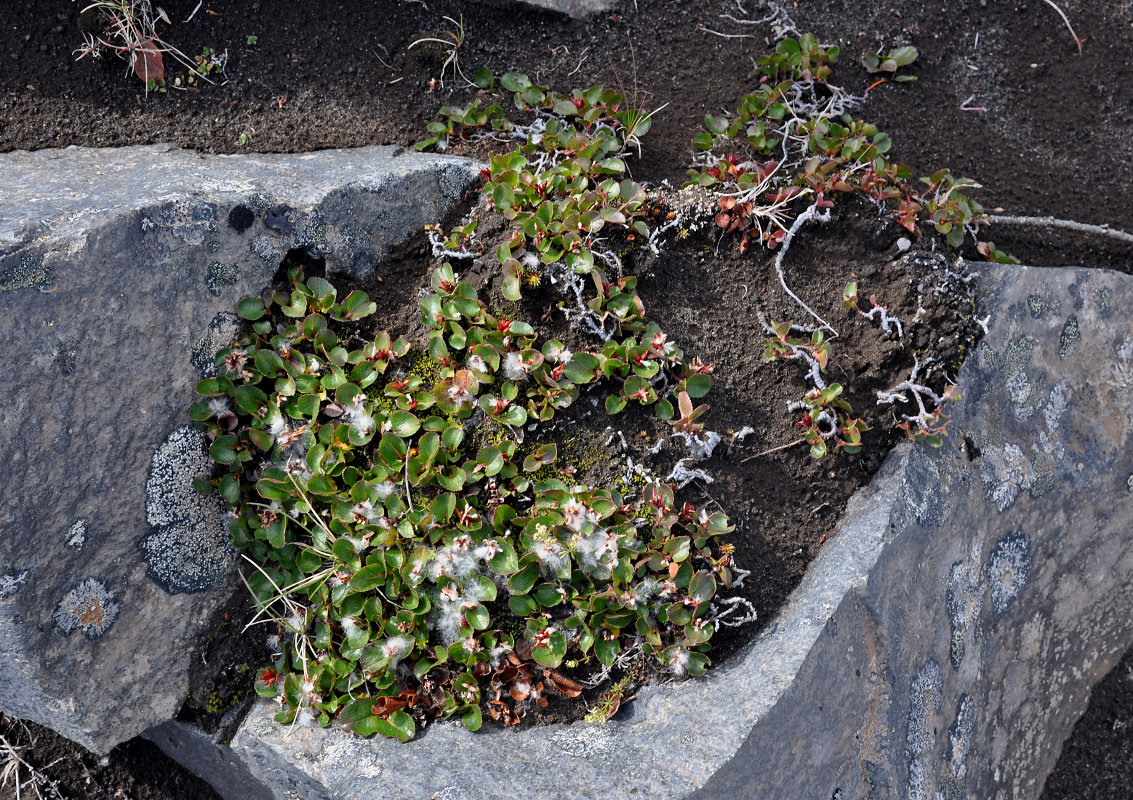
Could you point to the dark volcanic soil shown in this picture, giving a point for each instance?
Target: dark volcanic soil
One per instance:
(1002, 96)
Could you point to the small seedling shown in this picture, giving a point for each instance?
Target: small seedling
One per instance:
(449, 43)
(891, 62)
(244, 139)
(253, 40)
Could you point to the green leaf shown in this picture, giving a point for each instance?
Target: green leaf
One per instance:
(250, 308)
(678, 548)
(697, 385)
(199, 412)
(322, 486)
(702, 586)
(903, 56)
(399, 725)
(545, 454)
(522, 605)
(251, 399)
(404, 424)
(478, 617)
(268, 363)
(230, 489)
(222, 451)
(392, 451)
(274, 490)
(614, 165)
(443, 506)
(473, 718)
(515, 81)
(615, 403)
(606, 649)
(551, 655)
(368, 577)
(506, 562)
(214, 387)
(522, 581)
(306, 405)
(697, 664)
(547, 595)
(356, 306)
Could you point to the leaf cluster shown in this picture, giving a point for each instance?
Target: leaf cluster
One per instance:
(427, 565)
(783, 146)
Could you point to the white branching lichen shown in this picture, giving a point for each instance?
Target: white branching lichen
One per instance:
(10, 584)
(77, 536)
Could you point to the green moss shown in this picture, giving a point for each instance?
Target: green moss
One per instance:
(427, 368)
(218, 704)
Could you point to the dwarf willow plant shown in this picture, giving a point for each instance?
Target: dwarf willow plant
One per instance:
(562, 192)
(793, 142)
(430, 561)
(561, 185)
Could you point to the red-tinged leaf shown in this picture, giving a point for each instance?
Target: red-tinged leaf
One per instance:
(147, 62)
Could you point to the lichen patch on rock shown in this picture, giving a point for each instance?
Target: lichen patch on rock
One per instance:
(188, 550)
(88, 607)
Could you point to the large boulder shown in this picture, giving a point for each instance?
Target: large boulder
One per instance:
(119, 270)
(941, 645)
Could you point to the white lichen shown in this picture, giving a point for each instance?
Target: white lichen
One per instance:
(925, 700)
(89, 607)
(1005, 472)
(1007, 569)
(10, 584)
(77, 536)
(189, 549)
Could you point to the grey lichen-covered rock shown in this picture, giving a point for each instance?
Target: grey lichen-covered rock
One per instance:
(941, 645)
(1003, 592)
(119, 271)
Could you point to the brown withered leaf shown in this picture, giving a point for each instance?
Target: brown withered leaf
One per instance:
(564, 684)
(506, 674)
(387, 705)
(520, 690)
(502, 712)
(147, 62)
